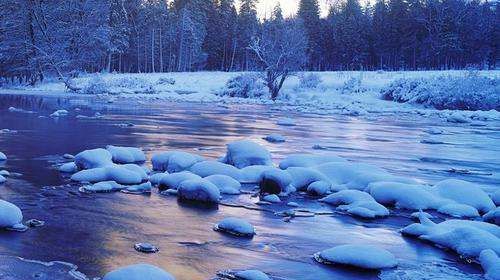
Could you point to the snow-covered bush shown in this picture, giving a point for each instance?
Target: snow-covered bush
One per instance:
(353, 85)
(95, 85)
(309, 81)
(467, 92)
(246, 85)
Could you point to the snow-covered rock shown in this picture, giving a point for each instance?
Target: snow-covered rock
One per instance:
(252, 275)
(275, 181)
(172, 181)
(465, 193)
(59, 113)
(275, 138)
(302, 177)
(458, 210)
(235, 226)
(2, 179)
(246, 153)
(93, 159)
(253, 173)
(199, 190)
(493, 216)
(416, 215)
(126, 154)
(174, 161)
(356, 203)
(138, 189)
(69, 167)
(155, 179)
(308, 160)
(226, 184)
(128, 174)
(496, 197)
(3, 157)
(406, 196)
(272, 198)
(5, 173)
(286, 122)
(208, 168)
(106, 186)
(491, 264)
(139, 272)
(10, 215)
(319, 188)
(362, 256)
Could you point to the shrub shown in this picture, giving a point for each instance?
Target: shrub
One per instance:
(353, 85)
(309, 80)
(245, 85)
(95, 85)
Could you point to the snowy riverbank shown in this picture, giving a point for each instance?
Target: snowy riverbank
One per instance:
(350, 93)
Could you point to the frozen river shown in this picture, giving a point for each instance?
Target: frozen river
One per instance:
(96, 232)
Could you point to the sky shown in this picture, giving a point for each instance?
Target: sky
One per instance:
(265, 7)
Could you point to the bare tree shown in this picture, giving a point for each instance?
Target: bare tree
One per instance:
(281, 49)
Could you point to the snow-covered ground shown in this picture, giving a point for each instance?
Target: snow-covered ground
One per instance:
(348, 92)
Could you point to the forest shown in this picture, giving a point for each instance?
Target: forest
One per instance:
(64, 38)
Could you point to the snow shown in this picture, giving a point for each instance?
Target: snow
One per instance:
(3, 157)
(208, 168)
(491, 264)
(286, 122)
(59, 113)
(69, 167)
(496, 197)
(272, 198)
(308, 160)
(226, 184)
(10, 215)
(106, 186)
(155, 179)
(126, 154)
(465, 193)
(235, 226)
(245, 153)
(357, 203)
(275, 138)
(319, 188)
(362, 256)
(275, 181)
(199, 190)
(123, 174)
(139, 272)
(493, 216)
(93, 158)
(172, 181)
(253, 173)
(252, 275)
(458, 210)
(174, 161)
(2, 179)
(5, 173)
(302, 177)
(406, 196)
(138, 189)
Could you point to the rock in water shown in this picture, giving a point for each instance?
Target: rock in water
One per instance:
(3, 157)
(246, 153)
(11, 216)
(93, 158)
(251, 275)
(362, 256)
(199, 190)
(139, 272)
(235, 226)
(146, 248)
(126, 154)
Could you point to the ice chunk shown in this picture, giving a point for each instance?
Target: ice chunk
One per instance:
(172, 181)
(407, 196)
(275, 138)
(126, 154)
(3, 157)
(302, 177)
(139, 272)
(493, 216)
(465, 193)
(272, 198)
(69, 167)
(252, 275)
(246, 153)
(59, 113)
(207, 168)
(491, 264)
(226, 184)
(235, 226)
(10, 215)
(319, 188)
(174, 161)
(357, 203)
(93, 158)
(458, 210)
(286, 122)
(275, 181)
(199, 190)
(307, 160)
(362, 256)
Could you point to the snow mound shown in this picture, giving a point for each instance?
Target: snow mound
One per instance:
(251, 275)
(208, 168)
(406, 196)
(10, 215)
(319, 188)
(491, 264)
(458, 210)
(362, 256)
(465, 193)
(307, 160)
(253, 173)
(199, 190)
(59, 113)
(156, 178)
(3, 157)
(126, 154)
(139, 272)
(235, 226)
(493, 216)
(226, 184)
(356, 203)
(174, 161)
(302, 177)
(2, 179)
(69, 167)
(246, 153)
(106, 186)
(128, 174)
(495, 197)
(271, 198)
(172, 181)
(275, 181)
(93, 159)
(275, 138)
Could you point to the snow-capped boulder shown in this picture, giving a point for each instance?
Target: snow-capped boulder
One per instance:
(496, 197)
(458, 210)
(59, 113)
(69, 167)
(271, 198)
(319, 188)
(235, 226)
(93, 159)
(275, 181)
(252, 275)
(275, 138)
(11, 216)
(126, 154)
(406, 196)
(226, 184)
(356, 203)
(172, 181)
(465, 193)
(2, 179)
(490, 262)
(4, 173)
(246, 153)
(3, 157)
(362, 256)
(139, 272)
(105, 186)
(199, 190)
(156, 178)
(122, 174)
(174, 161)
(208, 168)
(308, 160)
(253, 173)
(302, 177)
(357, 175)
(493, 216)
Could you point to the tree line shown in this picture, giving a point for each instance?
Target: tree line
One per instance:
(66, 37)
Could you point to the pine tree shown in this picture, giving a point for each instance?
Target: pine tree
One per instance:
(309, 14)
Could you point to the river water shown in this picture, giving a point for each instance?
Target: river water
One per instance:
(97, 232)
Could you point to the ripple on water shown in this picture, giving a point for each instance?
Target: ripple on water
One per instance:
(427, 271)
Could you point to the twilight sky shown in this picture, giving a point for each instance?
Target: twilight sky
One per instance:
(289, 7)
